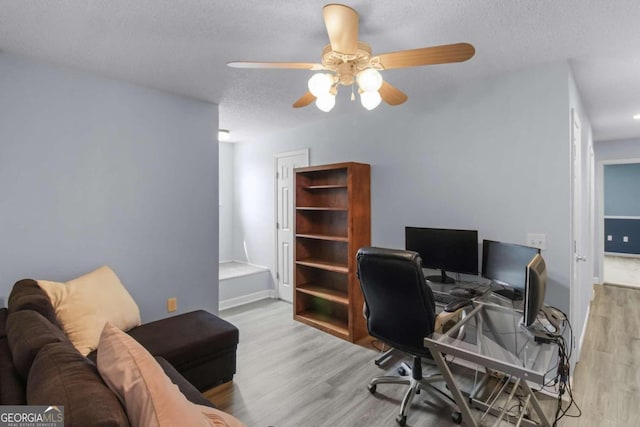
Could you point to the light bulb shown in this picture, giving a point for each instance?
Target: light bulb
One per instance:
(326, 102)
(370, 99)
(320, 84)
(369, 80)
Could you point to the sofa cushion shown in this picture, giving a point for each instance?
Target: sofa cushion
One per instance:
(149, 396)
(3, 322)
(27, 295)
(11, 384)
(196, 337)
(85, 304)
(62, 376)
(27, 333)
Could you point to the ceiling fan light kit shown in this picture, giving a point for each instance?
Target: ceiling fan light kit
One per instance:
(370, 99)
(320, 84)
(349, 61)
(325, 102)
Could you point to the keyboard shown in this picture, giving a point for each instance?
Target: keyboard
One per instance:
(444, 297)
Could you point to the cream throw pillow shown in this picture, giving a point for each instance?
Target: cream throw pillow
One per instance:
(146, 392)
(85, 304)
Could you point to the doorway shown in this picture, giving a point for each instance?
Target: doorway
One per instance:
(619, 219)
(285, 163)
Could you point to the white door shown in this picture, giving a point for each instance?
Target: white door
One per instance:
(579, 257)
(285, 218)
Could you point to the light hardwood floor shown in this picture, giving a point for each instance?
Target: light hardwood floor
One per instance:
(291, 375)
(607, 378)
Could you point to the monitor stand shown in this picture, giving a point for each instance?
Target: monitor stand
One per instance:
(442, 278)
(512, 294)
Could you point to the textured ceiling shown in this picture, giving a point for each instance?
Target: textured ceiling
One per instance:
(183, 46)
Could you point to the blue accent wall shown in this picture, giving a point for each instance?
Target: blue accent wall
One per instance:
(96, 171)
(618, 229)
(622, 190)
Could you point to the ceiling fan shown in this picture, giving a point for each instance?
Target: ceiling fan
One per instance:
(349, 60)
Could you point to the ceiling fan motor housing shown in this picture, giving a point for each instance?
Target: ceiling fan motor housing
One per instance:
(346, 66)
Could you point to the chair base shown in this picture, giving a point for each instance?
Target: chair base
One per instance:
(416, 383)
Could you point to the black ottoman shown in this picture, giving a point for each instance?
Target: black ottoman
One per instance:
(201, 346)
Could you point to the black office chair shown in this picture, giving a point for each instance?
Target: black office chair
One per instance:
(400, 311)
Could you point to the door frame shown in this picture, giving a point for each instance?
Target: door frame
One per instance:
(304, 151)
(599, 237)
(577, 174)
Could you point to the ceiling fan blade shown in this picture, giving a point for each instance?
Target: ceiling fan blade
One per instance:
(342, 27)
(391, 94)
(305, 100)
(444, 54)
(283, 65)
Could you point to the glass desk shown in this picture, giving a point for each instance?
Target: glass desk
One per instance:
(494, 341)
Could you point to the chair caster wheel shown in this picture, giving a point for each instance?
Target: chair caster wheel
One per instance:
(456, 417)
(402, 371)
(401, 419)
(371, 388)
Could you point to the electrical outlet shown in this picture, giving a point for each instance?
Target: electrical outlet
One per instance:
(609, 238)
(172, 304)
(537, 240)
(625, 239)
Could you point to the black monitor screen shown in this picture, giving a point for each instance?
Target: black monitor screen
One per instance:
(506, 263)
(444, 249)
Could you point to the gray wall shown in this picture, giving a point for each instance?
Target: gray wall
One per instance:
(95, 171)
(622, 189)
(492, 156)
(225, 173)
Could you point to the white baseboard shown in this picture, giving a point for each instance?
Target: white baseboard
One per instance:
(246, 299)
(582, 334)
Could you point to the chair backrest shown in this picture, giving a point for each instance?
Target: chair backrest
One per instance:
(400, 305)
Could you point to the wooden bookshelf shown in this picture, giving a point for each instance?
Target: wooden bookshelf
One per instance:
(333, 221)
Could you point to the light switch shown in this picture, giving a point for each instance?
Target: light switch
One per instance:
(609, 238)
(625, 239)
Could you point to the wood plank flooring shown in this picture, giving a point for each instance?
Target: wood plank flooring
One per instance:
(607, 378)
(293, 375)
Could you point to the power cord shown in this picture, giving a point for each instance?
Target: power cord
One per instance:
(563, 369)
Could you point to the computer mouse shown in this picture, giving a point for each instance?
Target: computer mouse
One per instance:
(463, 292)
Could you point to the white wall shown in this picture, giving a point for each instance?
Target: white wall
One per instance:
(492, 156)
(608, 152)
(95, 171)
(225, 174)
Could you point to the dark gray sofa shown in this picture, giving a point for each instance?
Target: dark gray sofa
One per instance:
(40, 366)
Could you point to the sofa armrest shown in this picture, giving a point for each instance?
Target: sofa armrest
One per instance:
(191, 393)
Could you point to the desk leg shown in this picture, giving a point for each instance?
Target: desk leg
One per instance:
(461, 401)
(536, 405)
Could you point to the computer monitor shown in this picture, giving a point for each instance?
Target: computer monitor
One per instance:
(444, 249)
(505, 264)
(535, 288)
